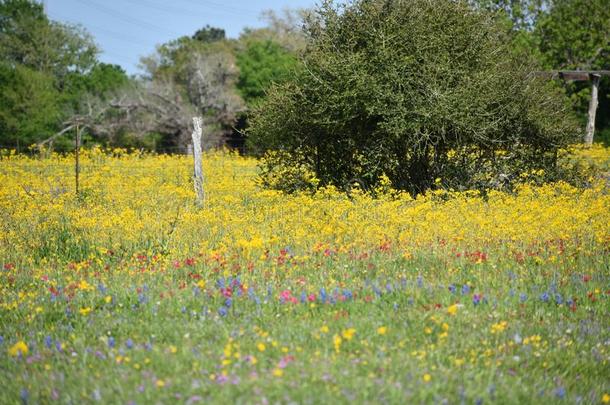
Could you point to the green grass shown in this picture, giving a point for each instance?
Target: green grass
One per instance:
(173, 345)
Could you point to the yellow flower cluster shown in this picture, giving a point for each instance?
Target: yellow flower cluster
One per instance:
(132, 204)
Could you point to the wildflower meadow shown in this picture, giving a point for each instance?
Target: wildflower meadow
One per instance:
(129, 292)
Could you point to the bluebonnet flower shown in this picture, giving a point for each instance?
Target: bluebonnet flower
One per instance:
(452, 288)
(558, 299)
(196, 291)
(111, 342)
(142, 298)
(24, 395)
(389, 288)
(332, 300)
(523, 297)
(560, 392)
(303, 297)
(101, 288)
(476, 299)
(48, 342)
(58, 346)
(129, 343)
(570, 302)
(377, 291)
(348, 294)
(420, 281)
(465, 289)
(223, 311)
(1, 339)
(228, 302)
(544, 297)
(220, 283)
(323, 295)
(183, 310)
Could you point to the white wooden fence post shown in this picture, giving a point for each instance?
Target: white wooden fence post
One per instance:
(198, 173)
(592, 109)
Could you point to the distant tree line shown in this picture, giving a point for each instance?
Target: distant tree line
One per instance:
(51, 82)
(51, 78)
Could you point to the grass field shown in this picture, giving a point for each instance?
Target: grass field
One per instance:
(130, 293)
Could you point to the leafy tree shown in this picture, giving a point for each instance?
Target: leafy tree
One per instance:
(29, 111)
(29, 38)
(209, 34)
(185, 77)
(41, 63)
(260, 64)
(415, 90)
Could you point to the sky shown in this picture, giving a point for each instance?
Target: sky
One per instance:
(125, 30)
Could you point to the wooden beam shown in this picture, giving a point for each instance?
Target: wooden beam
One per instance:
(573, 75)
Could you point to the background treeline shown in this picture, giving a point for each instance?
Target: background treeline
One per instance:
(51, 79)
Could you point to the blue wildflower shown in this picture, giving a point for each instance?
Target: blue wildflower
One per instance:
(228, 302)
(129, 344)
(560, 392)
(48, 342)
(523, 297)
(558, 299)
(323, 295)
(465, 289)
(303, 297)
(223, 311)
(544, 297)
(24, 395)
(452, 289)
(420, 281)
(111, 342)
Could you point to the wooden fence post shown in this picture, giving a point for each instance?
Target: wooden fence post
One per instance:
(77, 158)
(198, 176)
(592, 109)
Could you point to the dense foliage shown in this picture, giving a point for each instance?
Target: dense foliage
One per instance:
(46, 69)
(414, 90)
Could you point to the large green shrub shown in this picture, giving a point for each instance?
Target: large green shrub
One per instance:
(418, 90)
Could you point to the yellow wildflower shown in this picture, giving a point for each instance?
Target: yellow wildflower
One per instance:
(19, 348)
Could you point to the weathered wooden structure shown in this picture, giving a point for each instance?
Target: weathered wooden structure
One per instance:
(594, 76)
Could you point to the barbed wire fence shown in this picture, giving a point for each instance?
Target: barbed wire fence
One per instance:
(72, 174)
